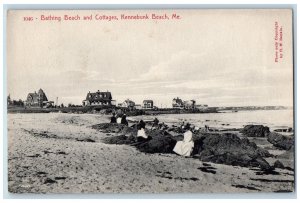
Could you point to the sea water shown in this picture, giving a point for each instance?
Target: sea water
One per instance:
(274, 119)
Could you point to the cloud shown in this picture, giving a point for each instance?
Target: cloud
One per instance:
(175, 68)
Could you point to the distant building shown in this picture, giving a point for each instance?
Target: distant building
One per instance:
(98, 99)
(201, 106)
(148, 104)
(128, 104)
(177, 103)
(190, 104)
(138, 106)
(38, 99)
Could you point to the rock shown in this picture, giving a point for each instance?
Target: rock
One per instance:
(281, 141)
(284, 130)
(85, 140)
(288, 154)
(60, 178)
(255, 131)
(278, 164)
(49, 181)
(263, 164)
(158, 144)
(231, 150)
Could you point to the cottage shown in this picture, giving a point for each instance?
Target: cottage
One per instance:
(128, 104)
(38, 99)
(177, 103)
(98, 99)
(190, 104)
(148, 104)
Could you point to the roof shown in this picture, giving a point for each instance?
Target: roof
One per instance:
(99, 96)
(148, 100)
(40, 93)
(32, 94)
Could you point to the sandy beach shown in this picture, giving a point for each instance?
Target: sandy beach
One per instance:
(62, 153)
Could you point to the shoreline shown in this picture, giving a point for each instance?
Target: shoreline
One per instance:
(109, 110)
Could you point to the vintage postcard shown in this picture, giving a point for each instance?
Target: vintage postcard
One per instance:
(150, 101)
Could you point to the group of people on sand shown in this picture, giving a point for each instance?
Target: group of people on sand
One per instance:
(119, 119)
(183, 148)
(185, 126)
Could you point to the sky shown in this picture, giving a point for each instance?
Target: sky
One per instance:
(216, 57)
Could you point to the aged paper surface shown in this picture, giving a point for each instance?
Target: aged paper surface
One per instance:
(225, 75)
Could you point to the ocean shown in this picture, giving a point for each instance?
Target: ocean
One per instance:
(274, 119)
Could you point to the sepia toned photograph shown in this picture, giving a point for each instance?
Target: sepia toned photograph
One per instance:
(150, 101)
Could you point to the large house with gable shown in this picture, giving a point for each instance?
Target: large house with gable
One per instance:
(98, 99)
(38, 99)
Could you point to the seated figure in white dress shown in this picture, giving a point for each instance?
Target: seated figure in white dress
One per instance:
(185, 147)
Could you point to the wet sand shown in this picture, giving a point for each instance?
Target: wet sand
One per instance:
(61, 153)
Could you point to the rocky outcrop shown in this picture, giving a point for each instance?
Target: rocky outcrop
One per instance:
(278, 164)
(158, 144)
(231, 150)
(281, 141)
(289, 154)
(225, 148)
(255, 131)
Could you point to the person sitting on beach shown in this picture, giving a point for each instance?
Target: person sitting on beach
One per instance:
(141, 125)
(182, 125)
(187, 126)
(206, 128)
(163, 126)
(196, 129)
(119, 119)
(113, 119)
(141, 135)
(185, 147)
(123, 120)
(192, 129)
(155, 123)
